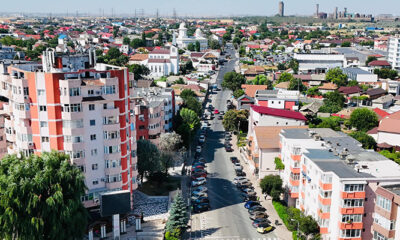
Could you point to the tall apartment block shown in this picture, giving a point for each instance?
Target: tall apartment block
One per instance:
(351, 192)
(71, 104)
(281, 9)
(394, 52)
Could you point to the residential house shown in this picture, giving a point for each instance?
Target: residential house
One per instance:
(389, 132)
(245, 102)
(327, 87)
(280, 99)
(378, 64)
(383, 102)
(250, 90)
(361, 76)
(318, 62)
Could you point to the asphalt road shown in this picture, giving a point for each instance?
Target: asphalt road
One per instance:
(227, 219)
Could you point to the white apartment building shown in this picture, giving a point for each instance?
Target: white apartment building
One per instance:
(394, 52)
(330, 177)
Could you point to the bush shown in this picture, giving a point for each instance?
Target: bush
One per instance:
(278, 164)
(282, 211)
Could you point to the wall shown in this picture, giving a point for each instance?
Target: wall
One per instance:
(267, 162)
(390, 138)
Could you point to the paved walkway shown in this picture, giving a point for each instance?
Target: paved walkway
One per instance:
(281, 229)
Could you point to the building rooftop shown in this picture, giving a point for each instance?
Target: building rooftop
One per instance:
(393, 188)
(355, 71)
(278, 112)
(268, 136)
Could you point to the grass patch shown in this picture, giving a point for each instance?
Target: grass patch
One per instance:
(282, 211)
(241, 139)
(155, 188)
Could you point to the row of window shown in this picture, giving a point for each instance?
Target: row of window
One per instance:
(384, 222)
(384, 203)
(77, 91)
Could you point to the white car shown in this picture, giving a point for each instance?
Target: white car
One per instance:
(239, 179)
(199, 181)
(202, 138)
(238, 166)
(198, 149)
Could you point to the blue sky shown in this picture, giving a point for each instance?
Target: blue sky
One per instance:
(201, 7)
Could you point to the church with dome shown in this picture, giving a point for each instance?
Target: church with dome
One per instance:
(183, 40)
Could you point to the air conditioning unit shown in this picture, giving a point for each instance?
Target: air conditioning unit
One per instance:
(30, 144)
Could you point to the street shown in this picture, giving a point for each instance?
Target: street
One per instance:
(227, 219)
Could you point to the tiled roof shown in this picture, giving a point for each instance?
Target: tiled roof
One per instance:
(328, 86)
(251, 90)
(375, 91)
(284, 85)
(278, 112)
(160, 51)
(350, 90)
(139, 57)
(390, 123)
(382, 63)
(158, 60)
(381, 113)
(268, 136)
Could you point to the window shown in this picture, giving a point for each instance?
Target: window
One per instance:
(378, 236)
(111, 149)
(75, 154)
(111, 134)
(74, 92)
(93, 137)
(350, 233)
(354, 187)
(383, 203)
(73, 123)
(73, 139)
(108, 89)
(43, 124)
(105, 106)
(384, 222)
(348, 203)
(91, 107)
(350, 218)
(95, 166)
(26, 91)
(41, 92)
(75, 107)
(82, 168)
(42, 108)
(93, 152)
(90, 92)
(95, 182)
(92, 122)
(45, 139)
(110, 120)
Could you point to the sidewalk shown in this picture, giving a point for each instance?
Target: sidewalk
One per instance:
(281, 229)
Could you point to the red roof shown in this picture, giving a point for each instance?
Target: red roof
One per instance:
(350, 90)
(381, 114)
(376, 55)
(160, 51)
(278, 112)
(379, 63)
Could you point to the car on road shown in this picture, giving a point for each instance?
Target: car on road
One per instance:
(249, 198)
(199, 165)
(256, 209)
(216, 111)
(199, 194)
(236, 180)
(199, 171)
(239, 172)
(228, 101)
(222, 113)
(265, 229)
(200, 189)
(248, 191)
(244, 184)
(260, 222)
(201, 207)
(238, 165)
(198, 149)
(199, 175)
(201, 200)
(234, 159)
(250, 204)
(257, 215)
(228, 148)
(199, 181)
(220, 117)
(202, 138)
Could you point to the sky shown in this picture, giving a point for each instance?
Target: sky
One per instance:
(199, 7)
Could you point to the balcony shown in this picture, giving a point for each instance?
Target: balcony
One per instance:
(295, 170)
(343, 226)
(350, 238)
(114, 185)
(72, 115)
(304, 168)
(294, 182)
(352, 195)
(113, 171)
(110, 112)
(324, 215)
(385, 232)
(324, 201)
(295, 157)
(325, 186)
(323, 230)
(353, 210)
(68, 146)
(22, 114)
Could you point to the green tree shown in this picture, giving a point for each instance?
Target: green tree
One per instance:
(126, 41)
(285, 77)
(234, 119)
(197, 46)
(297, 84)
(214, 44)
(139, 71)
(363, 119)
(238, 93)
(227, 37)
(333, 123)
(313, 91)
(366, 140)
(281, 66)
(333, 102)
(259, 80)
(370, 59)
(278, 164)
(346, 44)
(308, 226)
(148, 158)
(40, 198)
(187, 93)
(137, 43)
(242, 51)
(336, 76)
(190, 118)
(294, 64)
(191, 47)
(169, 144)
(233, 81)
(352, 83)
(177, 215)
(193, 104)
(386, 73)
(272, 185)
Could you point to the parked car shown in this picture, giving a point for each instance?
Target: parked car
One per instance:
(260, 222)
(257, 215)
(256, 209)
(198, 149)
(199, 181)
(216, 111)
(237, 165)
(248, 191)
(234, 159)
(201, 200)
(265, 229)
(199, 194)
(222, 113)
(198, 175)
(201, 207)
(250, 204)
(236, 180)
(228, 148)
(199, 170)
(200, 189)
(199, 166)
(220, 117)
(247, 198)
(244, 184)
(202, 138)
(240, 172)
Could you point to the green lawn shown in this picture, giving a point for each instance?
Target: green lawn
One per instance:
(153, 188)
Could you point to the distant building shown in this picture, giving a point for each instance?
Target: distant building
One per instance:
(10, 53)
(394, 51)
(184, 40)
(319, 62)
(281, 9)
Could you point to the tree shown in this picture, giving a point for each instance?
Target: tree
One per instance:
(333, 123)
(297, 84)
(197, 46)
(313, 91)
(308, 225)
(336, 76)
(370, 59)
(148, 158)
(363, 119)
(187, 93)
(294, 64)
(346, 44)
(139, 71)
(191, 47)
(227, 37)
(137, 43)
(366, 140)
(177, 215)
(285, 77)
(193, 104)
(40, 198)
(278, 164)
(281, 66)
(386, 73)
(238, 93)
(352, 83)
(234, 119)
(214, 44)
(233, 81)
(169, 144)
(333, 102)
(272, 184)
(190, 118)
(126, 41)
(259, 80)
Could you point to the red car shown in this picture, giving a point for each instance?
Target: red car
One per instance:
(197, 175)
(216, 111)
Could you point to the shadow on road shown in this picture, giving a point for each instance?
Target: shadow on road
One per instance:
(200, 234)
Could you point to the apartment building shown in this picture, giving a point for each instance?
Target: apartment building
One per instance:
(329, 176)
(394, 52)
(73, 105)
(279, 99)
(319, 62)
